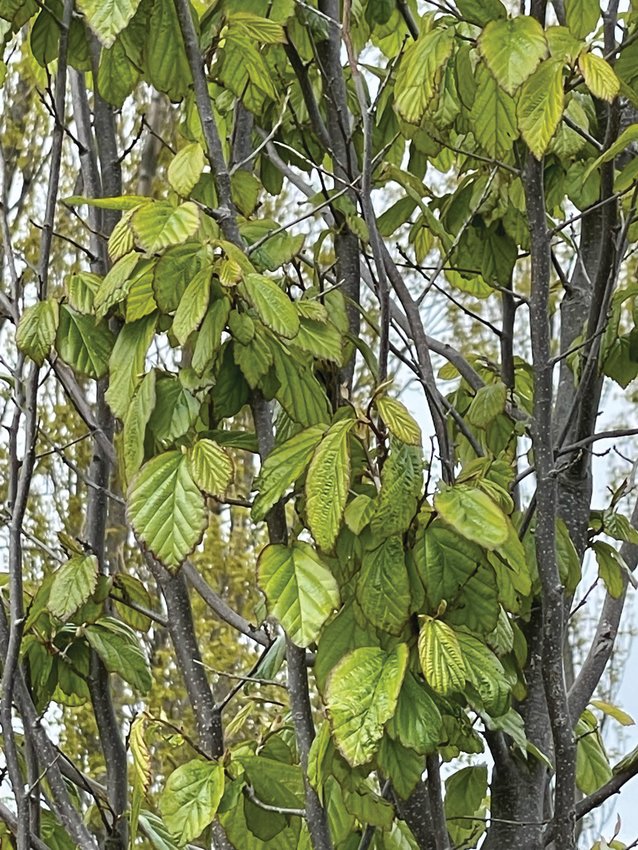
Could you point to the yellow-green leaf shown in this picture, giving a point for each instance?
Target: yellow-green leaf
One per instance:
(327, 483)
(190, 799)
(193, 305)
(540, 106)
(186, 168)
(115, 286)
(300, 589)
(72, 585)
(107, 18)
(36, 330)
(272, 304)
(473, 514)
(399, 420)
(211, 466)
(420, 73)
(512, 49)
(283, 466)
(493, 115)
(488, 402)
(158, 225)
(600, 77)
(166, 508)
(440, 655)
(361, 696)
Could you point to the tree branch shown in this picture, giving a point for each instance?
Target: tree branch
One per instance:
(546, 499)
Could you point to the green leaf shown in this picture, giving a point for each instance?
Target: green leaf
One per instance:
(582, 16)
(341, 635)
(115, 286)
(127, 363)
(512, 49)
(186, 169)
(129, 589)
(493, 116)
(383, 587)
(176, 409)
(86, 345)
(275, 783)
(192, 306)
(107, 18)
(485, 672)
(401, 765)
(209, 336)
(120, 651)
(440, 655)
(612, 568)
(420, 73)
(301, 591)
(320, 339)
(454, 571)
(613, 711)
(299, 393)
(473, 514)
(81, 289)
(156, 832)
(488, 402)
(164, 54)
(327, 483)
(416, 722)
(190, 799)
(272, 304)
(600, 78)
(36, 330)
(118, 202)
(117, 75)
(72, 585)
(592, 764)
(159, 224)
(211, 467)
(166, 508)
(479, 12)
(174, 271)
(401, 485)
(540, 106)
(135, 423)
(361, 696)
(465, 793)
(398, 420)
(283, 466)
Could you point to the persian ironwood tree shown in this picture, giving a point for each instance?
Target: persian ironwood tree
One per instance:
(274, 616)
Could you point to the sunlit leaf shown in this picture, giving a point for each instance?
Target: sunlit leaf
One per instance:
(190, 798)
(441, 658)
(37, 329)
(72, 585)
(361, 696)
(512, 49)
(211, 467)
(327, 483)
(166, 508)
(300, 589)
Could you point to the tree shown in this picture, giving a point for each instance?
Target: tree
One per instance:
(219, 274)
